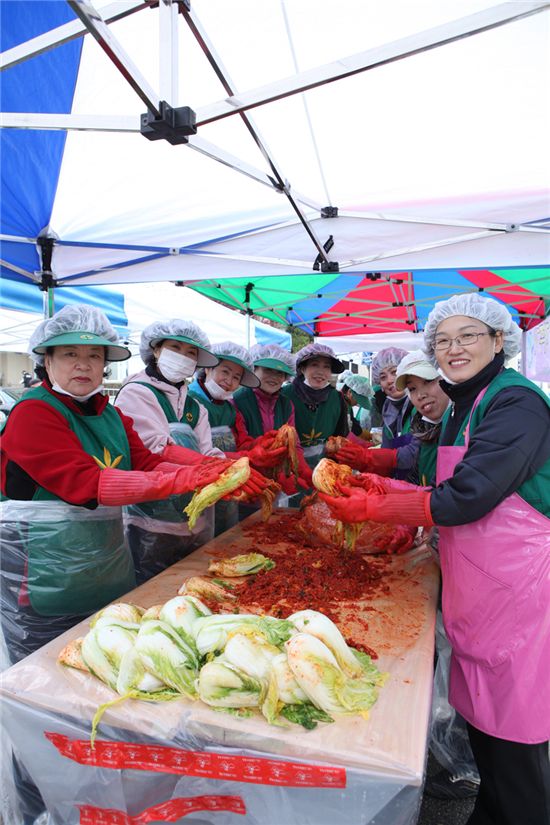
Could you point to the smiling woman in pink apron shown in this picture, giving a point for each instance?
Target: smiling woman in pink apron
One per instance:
(492, 503)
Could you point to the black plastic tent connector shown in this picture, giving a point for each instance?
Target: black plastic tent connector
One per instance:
(47, 279)
(324, 266)
(373, 276)
(173, 125)
(329, 212)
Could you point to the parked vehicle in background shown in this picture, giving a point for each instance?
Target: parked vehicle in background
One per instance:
(8, 397)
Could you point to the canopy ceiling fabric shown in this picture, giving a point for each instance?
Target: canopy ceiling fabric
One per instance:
(333, 143)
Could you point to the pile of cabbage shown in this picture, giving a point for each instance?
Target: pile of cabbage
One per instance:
(298, 669)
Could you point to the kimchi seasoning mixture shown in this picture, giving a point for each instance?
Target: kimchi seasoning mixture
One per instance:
(338, 583)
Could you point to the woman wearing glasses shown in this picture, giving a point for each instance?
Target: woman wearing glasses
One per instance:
(492, 504)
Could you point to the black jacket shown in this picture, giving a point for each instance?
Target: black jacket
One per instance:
(509, 445)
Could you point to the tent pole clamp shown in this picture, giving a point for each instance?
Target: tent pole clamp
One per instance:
(173, 125)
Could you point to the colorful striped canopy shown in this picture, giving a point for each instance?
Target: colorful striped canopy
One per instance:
(379, 302)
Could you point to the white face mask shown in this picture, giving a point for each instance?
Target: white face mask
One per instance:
(175, 367)
(82, 398)
(216, 391)
(306, 382)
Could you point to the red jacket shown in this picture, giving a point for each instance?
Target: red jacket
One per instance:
(40, 450)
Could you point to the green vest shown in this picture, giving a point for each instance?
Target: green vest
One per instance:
(191, 408)
(101, 436)
(315, 426)
(77, 559)
(219, 415)
(170, 509)
(427, 460)
(246, 403)
(536, 490)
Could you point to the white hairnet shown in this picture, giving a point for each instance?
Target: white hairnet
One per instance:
(360, 385)
(178, 330)
(274, 353)
(77, 318)
(341, 380)
(383, 360)
(481, 307)
(229, 351)
(316, 350)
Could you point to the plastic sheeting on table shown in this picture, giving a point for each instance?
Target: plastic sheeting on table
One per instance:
(355, 771)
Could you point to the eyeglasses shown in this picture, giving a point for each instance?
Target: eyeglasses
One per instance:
(468, 339)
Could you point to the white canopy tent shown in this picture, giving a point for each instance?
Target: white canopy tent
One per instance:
(406, 135)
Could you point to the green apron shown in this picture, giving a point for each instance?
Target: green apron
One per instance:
(427, 459)
(314, 427)
(246, 403)
(222, 420)
(78, 560)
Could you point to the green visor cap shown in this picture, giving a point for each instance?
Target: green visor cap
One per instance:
(205, 358)
(274, 364)
(362, 401)
(248, 379)
(115, 352)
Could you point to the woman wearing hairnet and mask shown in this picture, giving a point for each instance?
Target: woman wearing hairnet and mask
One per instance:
(319, 409)
(173, 423)
(492, 505)
(214, 388)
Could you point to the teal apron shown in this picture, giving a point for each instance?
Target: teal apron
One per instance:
(314, 427)
(246, 403)
(167, 516)
(77, 559)
(222, 421)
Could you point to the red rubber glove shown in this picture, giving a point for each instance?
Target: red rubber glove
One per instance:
(288, 484)
(353, 454)
(305, 473)
(265, 458)
(181, 455)
(252, 488)
(381, 484)
(380, 461)
(132, 486)
(356, 505)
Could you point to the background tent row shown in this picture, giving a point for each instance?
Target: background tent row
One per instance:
(130, 308)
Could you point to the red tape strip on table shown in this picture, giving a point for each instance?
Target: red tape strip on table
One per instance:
(162, 759)
(169, 811)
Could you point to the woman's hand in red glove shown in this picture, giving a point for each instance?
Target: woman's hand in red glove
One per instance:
(266, 458)
(288, 484)
(402, 540)
(353, 454)
(253, 487)
(208, 471)
(381, 484)
(350, 507)
(357, 504)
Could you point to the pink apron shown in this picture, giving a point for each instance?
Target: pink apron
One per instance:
(496, 611)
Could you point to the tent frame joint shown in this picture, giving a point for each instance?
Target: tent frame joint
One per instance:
(173, 125)
(329, 212)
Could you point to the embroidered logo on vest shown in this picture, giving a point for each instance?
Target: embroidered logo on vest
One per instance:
(108, 461)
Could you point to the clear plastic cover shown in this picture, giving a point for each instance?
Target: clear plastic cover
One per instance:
(172, 754)
(449, 740)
